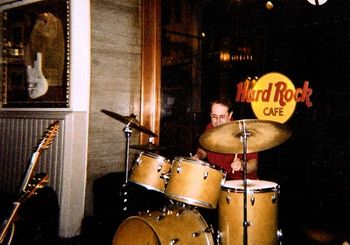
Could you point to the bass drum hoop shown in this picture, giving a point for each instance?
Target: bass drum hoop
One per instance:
(161, 229)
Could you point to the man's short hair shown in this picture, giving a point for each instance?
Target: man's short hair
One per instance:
(222, 101)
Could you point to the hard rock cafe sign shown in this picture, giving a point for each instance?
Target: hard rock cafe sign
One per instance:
(273, 96)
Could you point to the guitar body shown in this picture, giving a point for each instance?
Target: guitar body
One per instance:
(37, 220)
(8, 227)
(37, 83)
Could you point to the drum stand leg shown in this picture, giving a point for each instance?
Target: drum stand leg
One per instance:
(246, 223)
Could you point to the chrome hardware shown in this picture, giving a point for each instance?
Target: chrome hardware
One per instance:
(252, 200)
(228, 199)
(247, 223)
(205, 175)
(279, 236)
(218, 238)
(274, 198)
(209, 229)
(138, 160)
(160, 217)
(173, 241)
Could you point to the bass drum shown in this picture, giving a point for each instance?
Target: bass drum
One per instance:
(262, 201)
(175, 225)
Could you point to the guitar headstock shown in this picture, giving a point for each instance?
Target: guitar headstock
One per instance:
(49, 135)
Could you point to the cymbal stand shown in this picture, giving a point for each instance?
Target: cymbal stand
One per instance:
(244, 138)
(123, 191)
(127, 131)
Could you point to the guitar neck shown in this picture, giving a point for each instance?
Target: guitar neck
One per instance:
(30, 171)
(7, 224)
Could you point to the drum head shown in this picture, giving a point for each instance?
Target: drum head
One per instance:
(180, 225)
(135, 231)
(154, 156)
(252, 185)
(199, 162)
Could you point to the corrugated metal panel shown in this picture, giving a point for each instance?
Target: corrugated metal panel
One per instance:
(19, 139)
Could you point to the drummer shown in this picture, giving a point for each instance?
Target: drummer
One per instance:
(221, 113)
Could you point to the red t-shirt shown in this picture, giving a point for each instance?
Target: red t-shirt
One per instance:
(224, 161)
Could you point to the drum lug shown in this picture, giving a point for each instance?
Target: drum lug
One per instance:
(228, 199)
(252, 200)
(280, 236)
(173, 241)
(274, 198)
(165, 177)
(205, 176)
(139, 161)
(247, 223)
(180, 212)
(160, 217)
(178, 169)
(223, 178)
(209, 229)
(218, 238)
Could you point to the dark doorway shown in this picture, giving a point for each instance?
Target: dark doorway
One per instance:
(208, 47)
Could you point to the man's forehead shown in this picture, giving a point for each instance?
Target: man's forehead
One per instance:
(219, 109)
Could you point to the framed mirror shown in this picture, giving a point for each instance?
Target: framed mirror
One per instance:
(35, 55)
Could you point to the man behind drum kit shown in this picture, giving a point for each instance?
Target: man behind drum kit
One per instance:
(221, 113)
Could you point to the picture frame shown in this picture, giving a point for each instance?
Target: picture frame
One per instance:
(35, 55)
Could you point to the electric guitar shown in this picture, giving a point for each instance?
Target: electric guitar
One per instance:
(37, 83)
(39, 181)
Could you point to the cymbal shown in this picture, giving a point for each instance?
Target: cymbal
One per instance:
(131, 120)
(147, 147)
(261, 135)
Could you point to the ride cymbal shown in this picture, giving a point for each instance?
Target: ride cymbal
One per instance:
(131, 120)
(261, 135)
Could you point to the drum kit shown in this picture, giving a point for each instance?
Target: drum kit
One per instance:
(247, 209)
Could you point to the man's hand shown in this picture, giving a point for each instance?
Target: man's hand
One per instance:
(236, 164)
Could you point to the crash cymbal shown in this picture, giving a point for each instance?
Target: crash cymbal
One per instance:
(147, 147)
(131, 120)
(261, 135)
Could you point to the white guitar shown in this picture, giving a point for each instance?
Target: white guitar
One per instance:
(37, 83)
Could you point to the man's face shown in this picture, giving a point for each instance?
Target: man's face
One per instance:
(219, 114)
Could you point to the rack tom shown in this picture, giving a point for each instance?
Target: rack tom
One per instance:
(195, 182)
(150, 171)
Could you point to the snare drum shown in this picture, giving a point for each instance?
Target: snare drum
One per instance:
(262, 201)
(149, 170)
(194, 182)
(175, 225)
